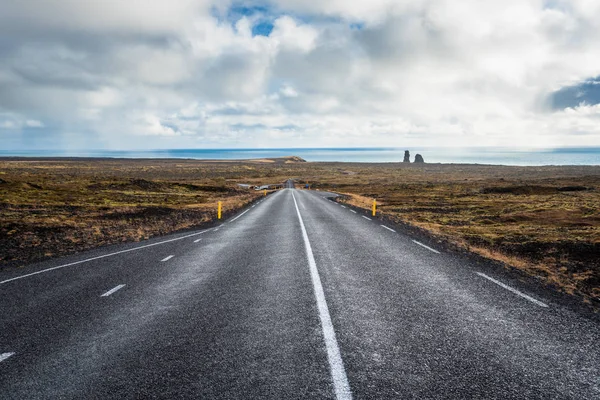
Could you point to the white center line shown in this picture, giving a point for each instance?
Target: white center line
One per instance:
(515, 291)
(239, 216)
(389, 229)
(102, 256)
(197, 240)
(111, 291)
(336, 364)
(366, 217)
(353, 211)
(427, 247)
(167, 258)
(4, 356)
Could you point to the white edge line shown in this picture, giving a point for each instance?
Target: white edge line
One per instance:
(239, 215)
(366, 217)
(336, 364)
(99, 257)
(111, 291)
(427, 247)
(4, 356)
(515, 291)
(389, 229)
(167, 258)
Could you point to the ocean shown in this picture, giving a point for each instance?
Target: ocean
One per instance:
(485, 155)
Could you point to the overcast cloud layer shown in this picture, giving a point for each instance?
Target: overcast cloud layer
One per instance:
(292, 73)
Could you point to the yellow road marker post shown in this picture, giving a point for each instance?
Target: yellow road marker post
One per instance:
(374, 207)
(265, 192)
(219, 210)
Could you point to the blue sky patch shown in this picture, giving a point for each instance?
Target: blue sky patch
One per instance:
(263, 28)
(262, 17)
(238, 11)
(587, 92)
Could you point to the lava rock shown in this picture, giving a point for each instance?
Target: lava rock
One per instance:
(419, 159)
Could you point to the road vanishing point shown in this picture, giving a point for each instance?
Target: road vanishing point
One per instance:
(293, 298)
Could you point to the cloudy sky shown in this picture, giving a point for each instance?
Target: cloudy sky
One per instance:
(138, 74)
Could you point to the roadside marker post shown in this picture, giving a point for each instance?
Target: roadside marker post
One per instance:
(265, 192)
(374, 207)
(219, 210)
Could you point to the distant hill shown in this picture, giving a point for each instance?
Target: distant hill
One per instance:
(293, 159)
(279, 160)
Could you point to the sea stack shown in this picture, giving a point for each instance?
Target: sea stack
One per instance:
(406, 156)
(419, 159)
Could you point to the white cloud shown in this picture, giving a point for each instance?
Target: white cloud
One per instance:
(7, 124)
(372, 72)
(99, 15)
(32, 123)
(288, 91)
(291, 36)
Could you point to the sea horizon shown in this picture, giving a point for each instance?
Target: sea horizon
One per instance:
(432, 155)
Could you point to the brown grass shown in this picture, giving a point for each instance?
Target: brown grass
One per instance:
(542, 220)
(50, 208)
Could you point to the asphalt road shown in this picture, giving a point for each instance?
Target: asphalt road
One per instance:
(295, 297)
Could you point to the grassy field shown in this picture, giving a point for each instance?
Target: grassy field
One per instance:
(51, 208)
(542, 220)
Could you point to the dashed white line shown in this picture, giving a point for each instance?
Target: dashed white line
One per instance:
(427, 247)
(111, 291)
(343, 206)
(102, 256)
(253, 205)
(167, 258)
(4, 356)
(197, 240)
(336, 364)
(389, 229)
(353, 211)
(515, 291)
(366, 217)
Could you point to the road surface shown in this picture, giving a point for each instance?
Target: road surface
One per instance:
(294, 297)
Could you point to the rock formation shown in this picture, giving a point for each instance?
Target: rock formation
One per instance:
(419, 159)
(406, 156)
